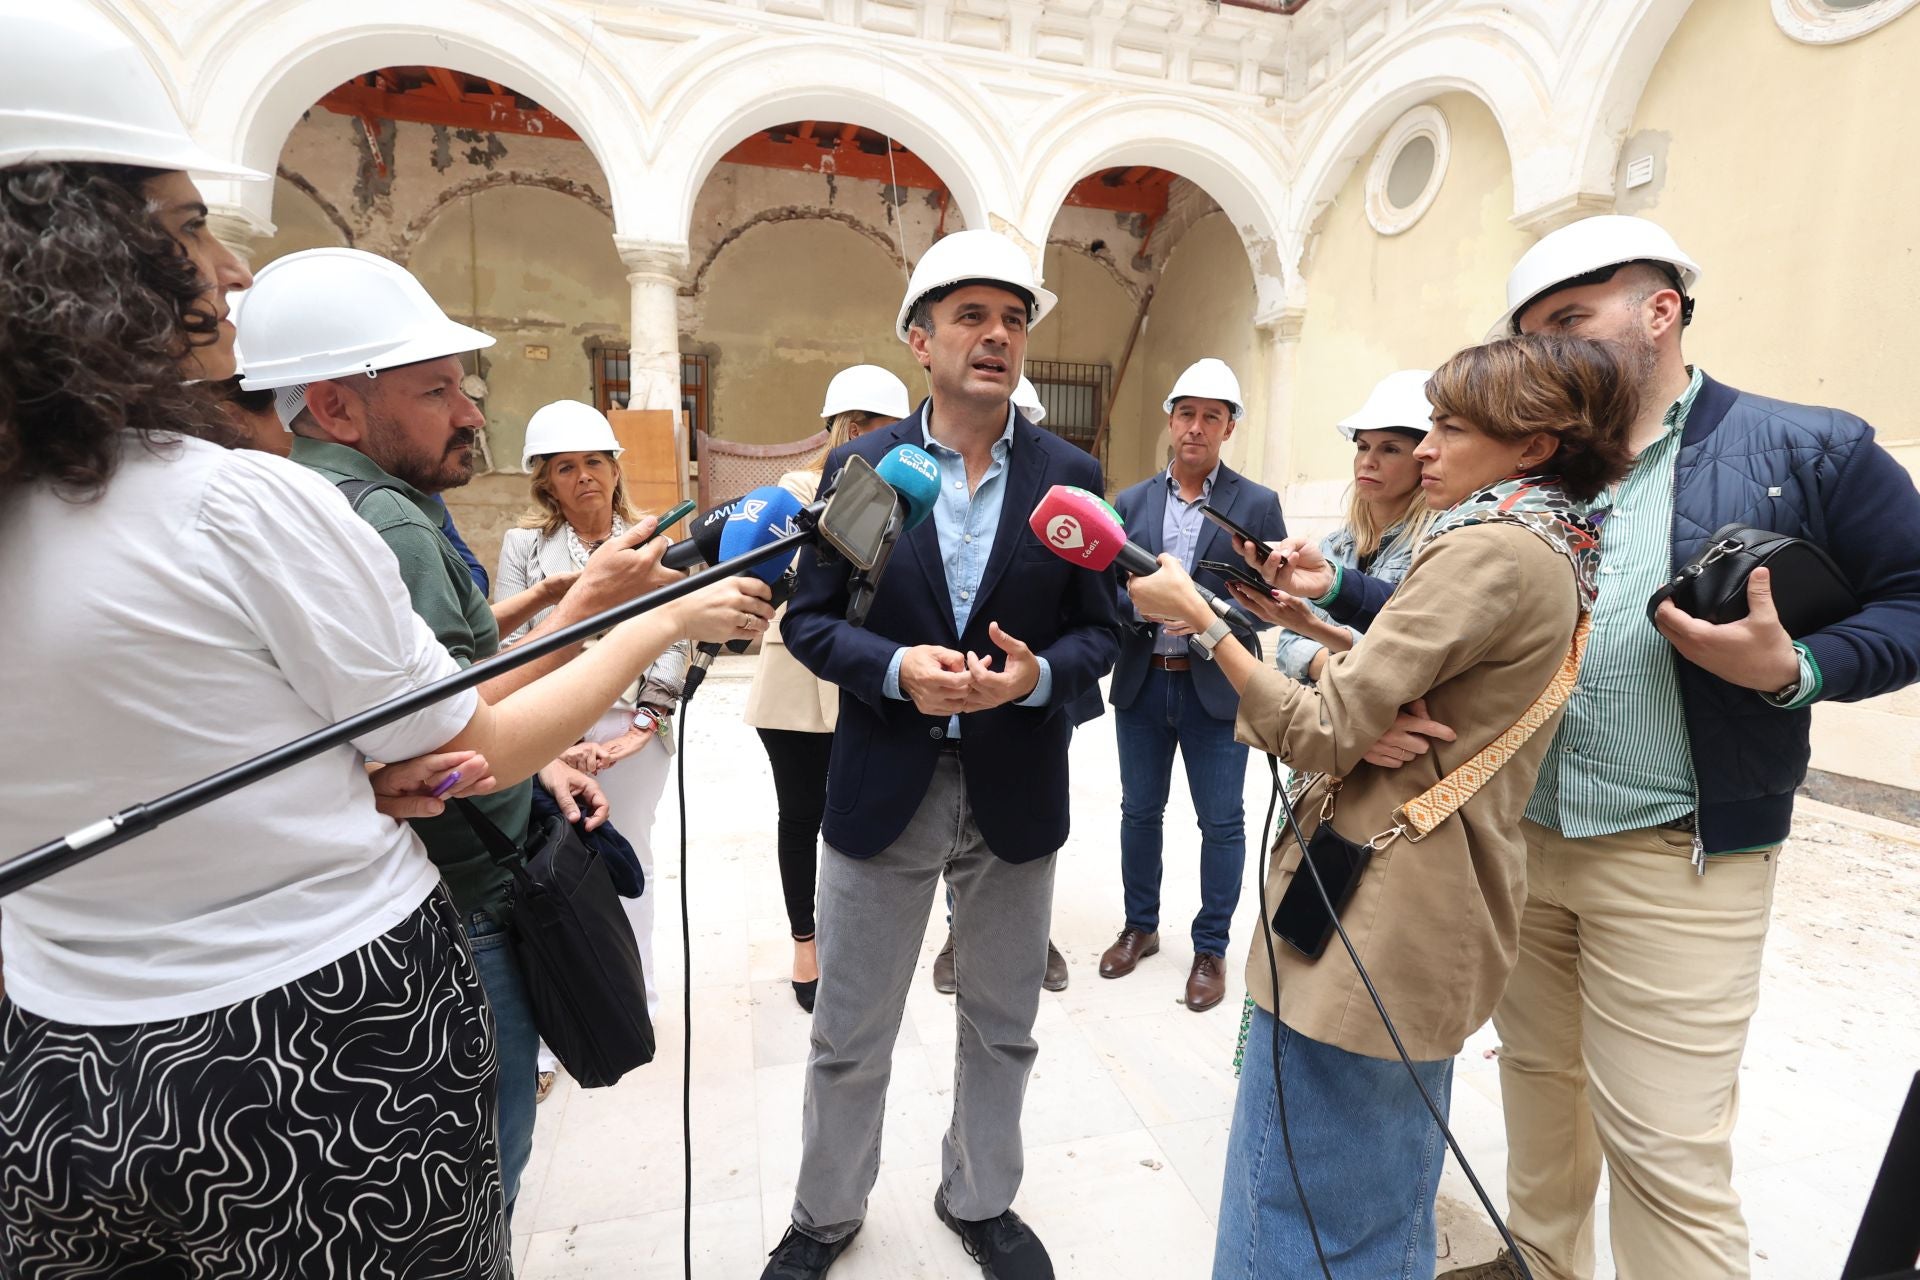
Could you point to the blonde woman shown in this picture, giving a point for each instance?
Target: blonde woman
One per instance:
(580, 501)
(793, 711)
(1387, 514)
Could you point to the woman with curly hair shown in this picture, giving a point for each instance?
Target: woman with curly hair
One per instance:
(253, 1040)
(1488, 627)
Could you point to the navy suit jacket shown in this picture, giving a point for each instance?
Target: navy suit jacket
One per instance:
(1143, 508)
(1014, 757)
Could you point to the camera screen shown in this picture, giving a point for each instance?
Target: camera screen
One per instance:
(856, 518)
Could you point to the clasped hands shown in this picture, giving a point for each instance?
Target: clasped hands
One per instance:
(945, 682)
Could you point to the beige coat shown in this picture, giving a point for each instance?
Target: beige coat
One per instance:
(784, 694)
(1479, 627)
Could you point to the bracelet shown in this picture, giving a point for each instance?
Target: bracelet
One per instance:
(1333, 592)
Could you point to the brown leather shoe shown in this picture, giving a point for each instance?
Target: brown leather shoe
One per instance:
(1206, 982)
(1503, 1267)
(1056, 979)
(1129, 949)
(943, 978)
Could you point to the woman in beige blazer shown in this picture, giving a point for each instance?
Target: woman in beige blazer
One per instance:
(793, 711)
(1526, 432)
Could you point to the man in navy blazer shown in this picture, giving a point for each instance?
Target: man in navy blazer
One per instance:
(949, 761)
(1167, 694)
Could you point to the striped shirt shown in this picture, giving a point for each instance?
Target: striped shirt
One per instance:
(1621, 759)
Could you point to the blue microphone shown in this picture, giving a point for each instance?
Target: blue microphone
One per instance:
(914, 477)
(765, 515)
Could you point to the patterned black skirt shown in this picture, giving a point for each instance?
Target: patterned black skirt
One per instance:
(341, 1125)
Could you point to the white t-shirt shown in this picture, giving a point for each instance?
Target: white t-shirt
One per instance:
(210, 606)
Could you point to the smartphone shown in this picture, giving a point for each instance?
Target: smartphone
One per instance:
(1260, 552)
(671, 516)
(1302, 920)
(1238, 572)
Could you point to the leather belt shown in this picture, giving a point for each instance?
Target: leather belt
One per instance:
(1685, 822)
(1169, 662)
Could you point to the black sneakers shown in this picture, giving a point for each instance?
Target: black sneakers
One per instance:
(799, 1256)
(1005, 1247)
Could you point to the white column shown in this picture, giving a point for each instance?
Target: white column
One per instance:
(654, 272)
(1280, 334)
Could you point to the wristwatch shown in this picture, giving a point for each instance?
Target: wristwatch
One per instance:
(1212, 636)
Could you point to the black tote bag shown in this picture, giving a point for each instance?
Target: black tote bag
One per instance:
(576, 950)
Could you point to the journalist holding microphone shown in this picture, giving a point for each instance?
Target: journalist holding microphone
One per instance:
(222, 1035)
(949, 761)
(1487, 626)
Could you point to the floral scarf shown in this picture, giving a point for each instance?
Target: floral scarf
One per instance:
(1539, 505)
(578, 551)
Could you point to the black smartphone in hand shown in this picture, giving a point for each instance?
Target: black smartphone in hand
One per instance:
(1260, 552)
(1238, 572)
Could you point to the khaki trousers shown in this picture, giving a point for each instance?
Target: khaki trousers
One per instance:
(1621, 1034)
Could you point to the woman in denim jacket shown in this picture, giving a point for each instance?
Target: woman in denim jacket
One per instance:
(1386, 515)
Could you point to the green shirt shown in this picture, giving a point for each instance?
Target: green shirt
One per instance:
(1620, 759)
(444, 595)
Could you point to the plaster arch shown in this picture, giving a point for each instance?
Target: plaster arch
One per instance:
(266, 64)
(1479, 60)
(418, 226)
(1247, 176)
(1601, 82)
(774, 84)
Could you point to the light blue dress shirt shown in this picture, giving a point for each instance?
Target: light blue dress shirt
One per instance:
(1180, 538)
(966, 524)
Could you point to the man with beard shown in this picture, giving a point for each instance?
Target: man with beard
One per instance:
(366, 372)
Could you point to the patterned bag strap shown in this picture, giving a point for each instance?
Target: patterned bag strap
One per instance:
(1417, 818)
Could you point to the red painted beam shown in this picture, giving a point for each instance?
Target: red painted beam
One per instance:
(495, 115)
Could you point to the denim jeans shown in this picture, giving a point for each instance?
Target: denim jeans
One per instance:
(1166, 715)
(1368, 1153)
(519, 1045)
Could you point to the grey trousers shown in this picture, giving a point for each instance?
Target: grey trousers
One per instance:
(873, 917)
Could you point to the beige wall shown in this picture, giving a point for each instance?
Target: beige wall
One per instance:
(1203, 307)
(1787, 170)
(783, 308)
(537, 270)
(1379, 303)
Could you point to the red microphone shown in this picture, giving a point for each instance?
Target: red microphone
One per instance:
(1082, 529)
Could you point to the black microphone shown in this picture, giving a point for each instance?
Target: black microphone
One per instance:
(701, 546)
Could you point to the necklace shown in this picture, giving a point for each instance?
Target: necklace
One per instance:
(578, 551)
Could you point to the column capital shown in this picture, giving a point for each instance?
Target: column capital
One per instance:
(1282, 324)
(658, 259)
(1557, 213)
(239, 228)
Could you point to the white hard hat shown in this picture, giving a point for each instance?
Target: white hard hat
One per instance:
(334, 313)
(1208, 379)
(74, 88)
(973, 255)
(1398, 402)
(866, 388)
(1593, 247)
(1027, 401)
(567, 426)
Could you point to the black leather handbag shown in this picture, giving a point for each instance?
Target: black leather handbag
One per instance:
(1809, 591)
(576, 950)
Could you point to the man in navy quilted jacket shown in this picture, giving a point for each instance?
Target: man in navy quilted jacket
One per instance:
(1654, 834)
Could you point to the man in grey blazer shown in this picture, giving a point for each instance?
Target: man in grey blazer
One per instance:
(1166, 696)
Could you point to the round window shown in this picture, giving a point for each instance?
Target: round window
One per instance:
(1834, 21)
(1407, 170)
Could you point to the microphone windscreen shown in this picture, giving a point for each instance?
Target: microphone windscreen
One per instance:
(759, 518)
(701, 546)
(1082, 529)
(911, 472)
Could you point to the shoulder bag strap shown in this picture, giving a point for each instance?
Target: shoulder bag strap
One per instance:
(499, 848)
(1417, 818)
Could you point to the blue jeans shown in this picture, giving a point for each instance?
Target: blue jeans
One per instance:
(519, 1045)
(1166, 715)
(1368, 1152)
